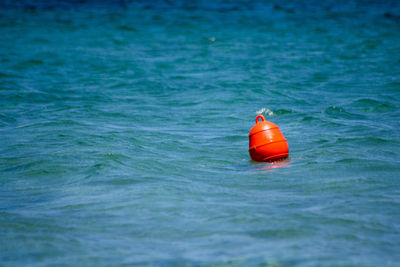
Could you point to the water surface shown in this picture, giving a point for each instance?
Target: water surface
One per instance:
(123, 133)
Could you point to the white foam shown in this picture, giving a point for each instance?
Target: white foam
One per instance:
(265, 112)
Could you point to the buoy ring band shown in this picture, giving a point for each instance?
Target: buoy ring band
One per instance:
(263, 130)
(266, 143)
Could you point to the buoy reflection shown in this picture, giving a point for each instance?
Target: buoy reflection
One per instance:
(273, 165)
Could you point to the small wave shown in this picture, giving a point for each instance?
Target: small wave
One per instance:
(33, 61)
(229, 138)
(9, 75)
(372, 105)
(127, 28)
(284, 9)
(367, 140)
(309, 118)
(278, 233)
(122, 181)
(339, 112)
(392, 17)
(67, 123)
(283, 112)
(348, 160)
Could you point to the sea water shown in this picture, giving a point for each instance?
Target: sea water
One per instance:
(124, 133)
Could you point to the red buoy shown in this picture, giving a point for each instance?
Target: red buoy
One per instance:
(266, 142)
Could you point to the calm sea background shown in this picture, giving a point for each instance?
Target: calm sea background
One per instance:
(124, 133)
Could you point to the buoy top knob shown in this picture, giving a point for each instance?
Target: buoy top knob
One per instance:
(262, 125)
(260, 117)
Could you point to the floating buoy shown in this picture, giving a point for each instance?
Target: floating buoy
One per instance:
(266, 142)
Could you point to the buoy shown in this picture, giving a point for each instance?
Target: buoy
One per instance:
(266, 142)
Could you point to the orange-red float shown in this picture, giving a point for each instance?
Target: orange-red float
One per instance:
(266, 142)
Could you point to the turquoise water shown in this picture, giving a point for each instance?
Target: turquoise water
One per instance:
(124, 133)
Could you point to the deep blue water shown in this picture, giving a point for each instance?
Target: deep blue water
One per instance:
(124, 133)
